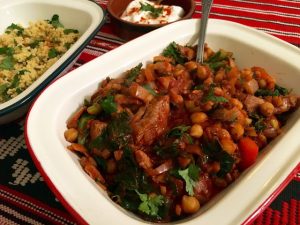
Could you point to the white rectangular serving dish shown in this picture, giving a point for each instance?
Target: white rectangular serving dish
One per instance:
(90, 204)
(85, 16)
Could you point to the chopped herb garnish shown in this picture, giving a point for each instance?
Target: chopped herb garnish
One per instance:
(278, 90)
(52, 53)
(109, 105)
(190, 176)
(199, 87)
(150, 203)
(7, 63)
(258, 122)
(3, 88)
(155, 11)
(172, 51)
(167, 151)
(180, 132)
(150, 90)
(35, 43)
(212, 97)
(69, 31)
(9, 51)
(16, 79)
(55, 21)
(15, 27)
(67, 45)
(115, 135)
(132, 74)
(214, 150)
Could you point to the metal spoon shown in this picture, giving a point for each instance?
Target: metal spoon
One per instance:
(206, 6)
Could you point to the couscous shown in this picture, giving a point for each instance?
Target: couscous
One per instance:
(26, 53)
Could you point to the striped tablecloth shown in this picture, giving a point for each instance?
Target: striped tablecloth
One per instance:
(26, 199)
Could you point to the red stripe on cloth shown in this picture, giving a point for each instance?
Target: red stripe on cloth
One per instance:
(37, 203)
(270, 5)
(85, 57)
(274, 17)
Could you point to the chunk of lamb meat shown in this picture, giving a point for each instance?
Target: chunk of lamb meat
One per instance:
(251, 102)
(153, 123)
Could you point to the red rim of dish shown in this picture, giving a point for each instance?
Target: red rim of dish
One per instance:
(82, 221)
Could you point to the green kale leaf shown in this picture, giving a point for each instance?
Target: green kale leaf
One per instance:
(132, 74)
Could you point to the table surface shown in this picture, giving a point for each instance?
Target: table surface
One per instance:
(25, 197)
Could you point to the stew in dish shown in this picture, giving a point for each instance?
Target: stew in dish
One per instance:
(166, 137)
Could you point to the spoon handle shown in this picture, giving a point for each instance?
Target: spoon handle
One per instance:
(206, 6)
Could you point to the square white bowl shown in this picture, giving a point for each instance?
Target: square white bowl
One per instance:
(91, 205)
(85, 16)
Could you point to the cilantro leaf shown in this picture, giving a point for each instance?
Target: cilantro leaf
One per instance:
(172, 51)
(214, 150)
(278, 90)
(258, 122)
(9, 51)
(15, 27)
(155, 12)
(35, 43)
(180, 132)
(69, 31)
(150, 203)
(108, 104)
(55, 21)
(7, 63)
(115, 135)
(212, 97)
(167, 151)
(133, 73)
(190, 176)
(52, 53)
(3, 88)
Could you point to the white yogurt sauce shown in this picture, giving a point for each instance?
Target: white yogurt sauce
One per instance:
(134, 14)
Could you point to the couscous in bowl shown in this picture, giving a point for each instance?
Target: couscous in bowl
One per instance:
(20, 13)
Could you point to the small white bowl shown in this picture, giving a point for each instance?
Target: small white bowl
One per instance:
(85, 16)
(235, 205)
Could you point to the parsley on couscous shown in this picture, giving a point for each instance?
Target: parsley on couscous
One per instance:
(26, 53)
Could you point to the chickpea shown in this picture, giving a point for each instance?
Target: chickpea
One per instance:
(262, 83)
(202, 72)
(196, 131)
(267, 109)
(220, 75)
(191, 66)
(228, 145)
(190, 204)
(71, 135)
(246, 74)
(218, 91)
(198, 117)
(236, 102)
(237, 131)
(274, 123)
(111, 166)
(94, 109)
